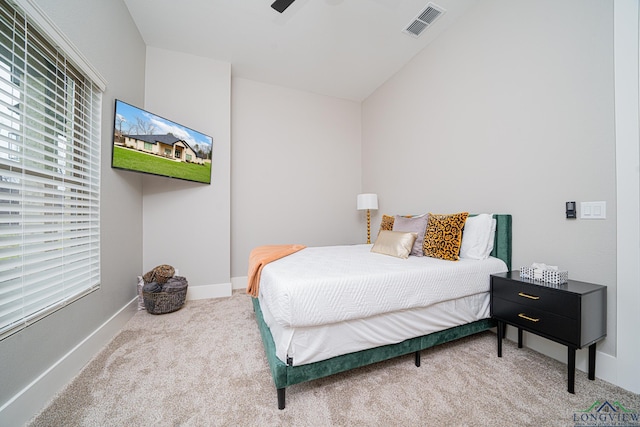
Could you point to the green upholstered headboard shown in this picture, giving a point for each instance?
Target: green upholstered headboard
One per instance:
(502, 244)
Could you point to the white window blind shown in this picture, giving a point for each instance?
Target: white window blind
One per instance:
(49, 175)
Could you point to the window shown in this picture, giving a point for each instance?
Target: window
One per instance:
(148, 146)
(49, 170)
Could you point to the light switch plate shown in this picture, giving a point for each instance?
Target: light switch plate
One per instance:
(593, 210)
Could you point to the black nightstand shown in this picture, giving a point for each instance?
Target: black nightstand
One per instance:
(573, 314)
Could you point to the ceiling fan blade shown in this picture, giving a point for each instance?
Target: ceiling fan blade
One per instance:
(281, 5)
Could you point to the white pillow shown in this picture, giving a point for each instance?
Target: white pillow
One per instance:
(394, 243)
(477, 237)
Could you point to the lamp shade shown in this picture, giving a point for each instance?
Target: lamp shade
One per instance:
(367, 201)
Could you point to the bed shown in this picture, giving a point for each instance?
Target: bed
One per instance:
(307, 341)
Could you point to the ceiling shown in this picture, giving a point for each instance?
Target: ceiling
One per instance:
(339, 48)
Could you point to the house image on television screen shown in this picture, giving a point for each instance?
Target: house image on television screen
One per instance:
(166, 145)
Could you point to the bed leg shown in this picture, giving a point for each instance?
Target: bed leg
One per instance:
(417, 358)
(281, 397)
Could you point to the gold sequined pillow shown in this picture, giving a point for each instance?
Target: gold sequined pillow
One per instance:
(443, 236)
(394, 243)
(387, 223)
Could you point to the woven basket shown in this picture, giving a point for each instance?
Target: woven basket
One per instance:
(166, 302)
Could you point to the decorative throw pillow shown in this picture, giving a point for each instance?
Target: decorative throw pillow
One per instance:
(394, 243)
(387, 220)
(444, 235)
(386, 223)
(476, 236)
(417, 224)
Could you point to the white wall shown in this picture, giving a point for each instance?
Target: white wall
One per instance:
(627, 45)
(186, 224)
(39, 360)
(295, 170)
(511, 110)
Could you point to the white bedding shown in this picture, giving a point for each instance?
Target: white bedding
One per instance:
(325, 285)
(299, 346)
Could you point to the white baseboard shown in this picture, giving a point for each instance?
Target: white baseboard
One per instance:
(218, 290)
(239, 282)
(33, 398)
(607, 368)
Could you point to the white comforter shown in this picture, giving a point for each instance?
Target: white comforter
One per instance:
(323, 285)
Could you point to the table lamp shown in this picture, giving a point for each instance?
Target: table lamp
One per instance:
(367, 202)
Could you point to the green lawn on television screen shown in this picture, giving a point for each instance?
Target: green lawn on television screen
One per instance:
(134, 160)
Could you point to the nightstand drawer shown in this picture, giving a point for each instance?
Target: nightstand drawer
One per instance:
(544, 323)
(537, 297)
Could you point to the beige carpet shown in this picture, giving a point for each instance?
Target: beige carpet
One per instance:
(204, 365)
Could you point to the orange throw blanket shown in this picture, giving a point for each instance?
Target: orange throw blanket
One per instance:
(261, 256)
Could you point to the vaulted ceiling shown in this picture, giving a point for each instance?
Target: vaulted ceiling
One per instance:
(340, 48)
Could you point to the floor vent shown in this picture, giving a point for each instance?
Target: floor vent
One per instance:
(424, 19)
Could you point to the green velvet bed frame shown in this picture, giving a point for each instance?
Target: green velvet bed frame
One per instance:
(285, 375)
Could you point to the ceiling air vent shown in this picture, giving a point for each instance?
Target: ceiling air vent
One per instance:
(424, 19)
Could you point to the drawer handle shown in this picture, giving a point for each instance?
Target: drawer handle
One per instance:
(522, 294)
(528, 318)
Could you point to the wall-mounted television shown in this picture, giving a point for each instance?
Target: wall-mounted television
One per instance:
(147, 143)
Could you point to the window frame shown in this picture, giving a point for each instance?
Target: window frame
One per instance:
(50, 105)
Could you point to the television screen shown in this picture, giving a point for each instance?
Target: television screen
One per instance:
(144, 142)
